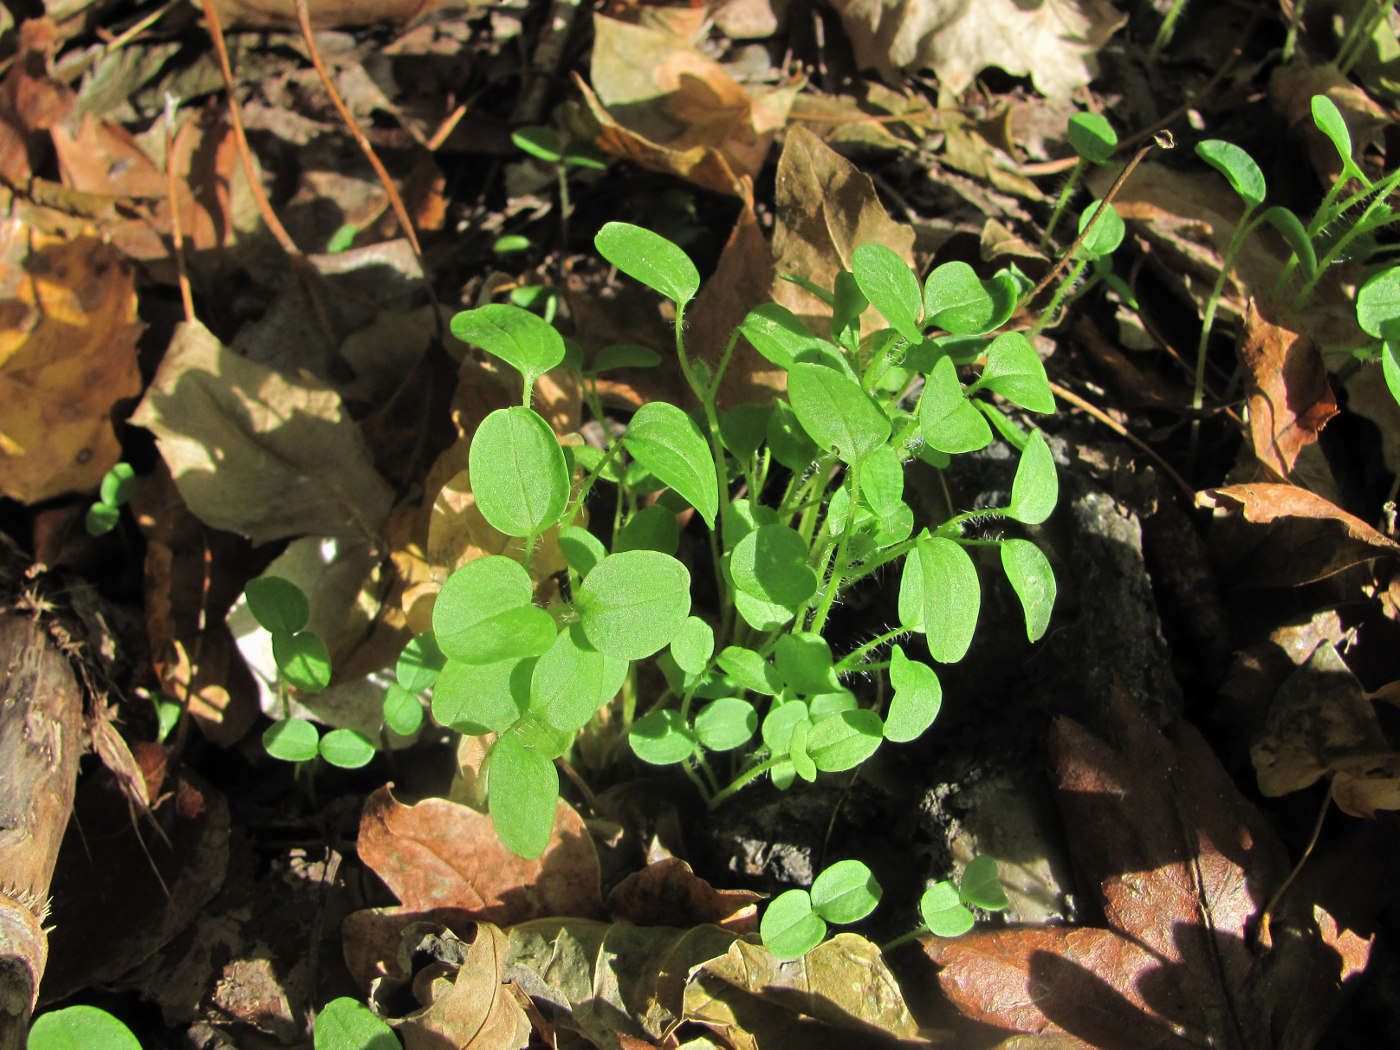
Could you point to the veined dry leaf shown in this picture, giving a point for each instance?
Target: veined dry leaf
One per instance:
(258, 453)
(1286, 388)
(668, 893)
(67, 356)
(1054, 41)
(1313, 538)
(102, 157)
(606, 980)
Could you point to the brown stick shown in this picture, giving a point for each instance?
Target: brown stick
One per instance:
(177, 236)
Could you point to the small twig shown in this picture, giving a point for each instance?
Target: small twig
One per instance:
(1123, 432)
(1264, 936)
(177, 237)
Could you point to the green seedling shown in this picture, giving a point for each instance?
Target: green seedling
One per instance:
(117, 483)
(947, 908)
(544, 144)
(797, 500)
(346, 1024)
(80, 1028)
(281, 608)
(795, 922)
(1094, 140)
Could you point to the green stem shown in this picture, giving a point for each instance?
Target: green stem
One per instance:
(852, 660)
(1057, 298)
(1242, 229)
(903, 939)
(1074, 174)
(743, 779)
(838, 564)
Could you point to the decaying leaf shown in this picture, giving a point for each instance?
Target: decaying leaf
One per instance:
(328, 14)
(258, 453)
(668, 893)
(67, 356)
(1311, 537)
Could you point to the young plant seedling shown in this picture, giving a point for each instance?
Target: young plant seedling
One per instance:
(117, 483)
(77, 1027)
(1094, 140)
(795, 922)
(346, 1024)
(946, 908)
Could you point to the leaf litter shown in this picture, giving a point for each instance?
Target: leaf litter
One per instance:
(312, 415)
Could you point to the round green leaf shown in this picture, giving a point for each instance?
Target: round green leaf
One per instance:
(770, 563)
(632, 604)
(778, 334)
(787, 440)
(693, 645)
(346, 748)
(347, 1024)
(1237, 166)
(279, 605)
(1033, 581)
(581, 549)
(80, 1028)
(726, 723)
(882, 482)
(303, 660)
(540, 142)
(1036, 487)
(948, 421)
(779, 722)
(653, 528)
(891, 287)
(1014, 370)
(1378, 305)
(666, 441)
(292, 740)
(761, 615)
(1105, 237)
(804, 662)
(419, 663)
(517, 471)
(957, 301)
(789, 927)
(117, 484)
(846, 740)
(402, 710)
(482, 698)
(1390, 368)
(749, 669)
(846, 892)
(483, 613)
(917, 698)
(943, 912)
(101, 519)
(836, 412)
(1092, 137)
(823, 705)
(661, 738)
(511, 242)
(650, 258)
(743, 428)
(951, 597)
(573, 680)
(519, 338)
(981, 886)
(522, 796)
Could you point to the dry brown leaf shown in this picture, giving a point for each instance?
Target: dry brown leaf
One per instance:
(467, 1006)
(668, 893)
(1286, 389)
(329, 14)
(1312, 539)
(67, 356)
(31, 102)
(257, 453)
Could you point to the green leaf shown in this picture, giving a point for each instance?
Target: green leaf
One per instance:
(666, 441)
(346, 1024)
(292, 740)
(1390, 368)
(1036, 487)
(419, 663)
(882, 482)
(581, 549)
(512, 242)
(761, 615)
(770, 563)
(950, 595)
(543, 143)
(743, 428)
(80, 1028)
(846, 311)
(346, 748)
(1105, 237)
(846, 892)
(836, 412)
(517, 471)
(1293, 231)
(693, 645)
(947, 420)
(942, 911)
(101, 519)
(789, 927)
(1033, 581)
(749, 669)
(402, 710)
(482, 698)
(959, 302)
(778, 334)
(917, 698)
(980, 885)
(1014, 371)
(519, 338)
(303, 660)
(779, 722)
(632, 604)
(846, 740)
(788, 441)
(650, 258)
(726, 723)
(522, 796)
(797, 753)
(661, 738)
(1378, 305)
(1092, 137)
(573, 680)
(823, 705)
(342, 238)
(886, 280)
(279, 605)
(483, 613)
(1237, 166)
(653, 528)
(117, 484)
(804, 662)
(1330, 122)
(624, 355)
